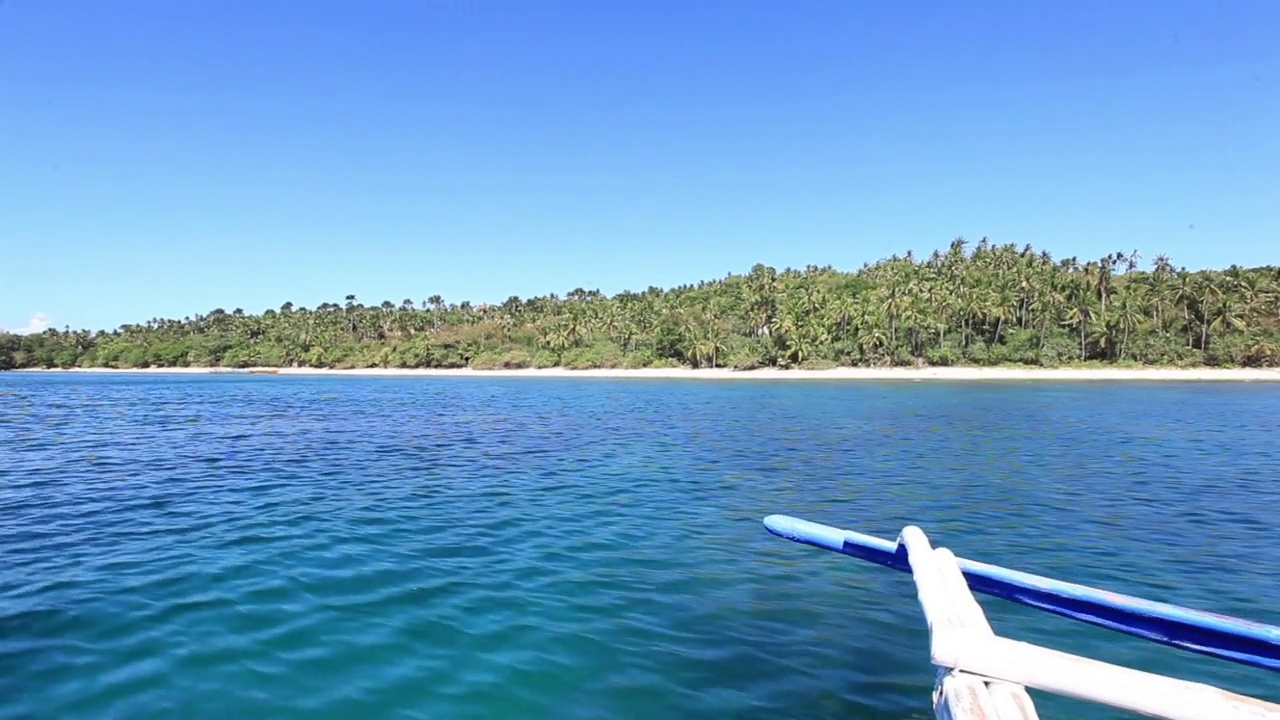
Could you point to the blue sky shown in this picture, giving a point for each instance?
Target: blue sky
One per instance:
(163, 158)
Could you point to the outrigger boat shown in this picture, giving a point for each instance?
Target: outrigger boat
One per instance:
(982, 676)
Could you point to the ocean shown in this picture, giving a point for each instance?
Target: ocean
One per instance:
(355, 547)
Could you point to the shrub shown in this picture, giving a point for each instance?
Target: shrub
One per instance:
(544, 359)
(598, 355)
(943, 356)
(510, 360)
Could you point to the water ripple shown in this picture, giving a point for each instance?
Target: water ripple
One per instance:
(320, 547)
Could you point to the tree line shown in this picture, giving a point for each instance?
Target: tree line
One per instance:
(985, 305)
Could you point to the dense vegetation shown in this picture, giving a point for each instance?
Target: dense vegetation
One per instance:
(993, 305)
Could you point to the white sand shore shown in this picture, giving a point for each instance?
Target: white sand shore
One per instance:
(935, 373)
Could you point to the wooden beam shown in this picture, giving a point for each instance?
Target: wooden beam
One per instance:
(962, 641)
(1095, 681)
(961, 696)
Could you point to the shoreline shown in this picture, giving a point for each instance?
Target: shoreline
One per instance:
(843, 373)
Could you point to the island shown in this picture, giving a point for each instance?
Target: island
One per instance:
(962, 307)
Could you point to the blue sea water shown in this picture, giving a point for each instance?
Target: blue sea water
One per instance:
(321, 547)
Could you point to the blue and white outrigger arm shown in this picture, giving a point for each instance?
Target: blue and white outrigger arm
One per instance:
(1234, 639)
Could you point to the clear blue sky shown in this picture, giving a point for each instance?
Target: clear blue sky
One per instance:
(163, 158)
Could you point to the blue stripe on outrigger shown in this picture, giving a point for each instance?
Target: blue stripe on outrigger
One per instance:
(1242, 641)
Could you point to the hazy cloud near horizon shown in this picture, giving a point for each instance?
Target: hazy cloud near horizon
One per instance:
(38, 323)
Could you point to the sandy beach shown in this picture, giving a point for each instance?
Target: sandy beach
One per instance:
(935, 373)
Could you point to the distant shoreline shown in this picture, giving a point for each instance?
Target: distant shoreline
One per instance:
(844, 373)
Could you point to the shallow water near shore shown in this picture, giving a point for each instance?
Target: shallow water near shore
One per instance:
(364, 547)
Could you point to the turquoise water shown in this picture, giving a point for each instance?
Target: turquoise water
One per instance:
(272, 547)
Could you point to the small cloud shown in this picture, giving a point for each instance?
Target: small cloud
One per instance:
(37, 324)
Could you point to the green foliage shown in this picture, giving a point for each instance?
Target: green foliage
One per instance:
(819, 364)
(502, 360)
(992, 305)
(10, 346)
(596, 355)
(945, 356)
